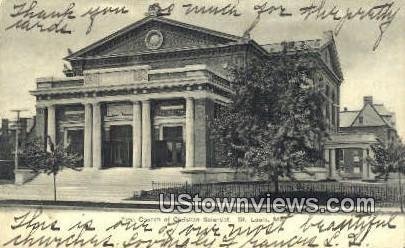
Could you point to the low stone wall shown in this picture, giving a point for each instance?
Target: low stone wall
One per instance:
(217, 175)
(23, 175)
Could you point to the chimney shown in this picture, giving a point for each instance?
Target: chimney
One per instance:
(4, 126)
(368, 100)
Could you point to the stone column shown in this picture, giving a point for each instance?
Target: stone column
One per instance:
(326, 157)
(189, 132)
(40, 123)
(97, 143)
(65, 138)
(88, 129)
(332, 163)
(51, 125)
(136, 135)
(203, 150)
(146, 135)
(365, 172)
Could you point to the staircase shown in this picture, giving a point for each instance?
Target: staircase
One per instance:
(110, 185)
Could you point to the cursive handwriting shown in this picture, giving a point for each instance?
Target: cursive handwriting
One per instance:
(94, 12)
(36, 229)
(30, 17)
(264, 8)
(130, 224)
(229, 9)
(33, 221)
(382, 13)
(40, 228)
(359, 227)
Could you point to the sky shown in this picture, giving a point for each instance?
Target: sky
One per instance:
(25, 56)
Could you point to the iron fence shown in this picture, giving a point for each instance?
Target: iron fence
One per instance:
(385, 194)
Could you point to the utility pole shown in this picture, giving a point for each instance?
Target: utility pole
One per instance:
(17, 129)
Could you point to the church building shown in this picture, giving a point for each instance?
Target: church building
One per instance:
(144, 96)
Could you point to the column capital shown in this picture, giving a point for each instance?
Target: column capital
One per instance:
(45, 105)
(40, 106)
(96, 103)
(90, 101)
(86, 103)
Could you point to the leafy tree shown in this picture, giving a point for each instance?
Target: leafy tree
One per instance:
(388, 157)
(275, 123)
(34, 156)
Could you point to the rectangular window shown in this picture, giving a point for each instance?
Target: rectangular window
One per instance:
(327, 111)
(327, 90)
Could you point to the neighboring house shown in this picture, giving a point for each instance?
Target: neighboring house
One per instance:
(371, 119)
(5, 138)
(7, 143)
(144, 96)
(358, 130)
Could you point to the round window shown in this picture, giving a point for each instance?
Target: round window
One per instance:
(154, 39)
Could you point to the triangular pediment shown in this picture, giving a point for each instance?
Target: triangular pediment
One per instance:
(330, 56)
(153, 34)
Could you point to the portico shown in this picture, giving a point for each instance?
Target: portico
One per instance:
(334, 158)
(162, 125)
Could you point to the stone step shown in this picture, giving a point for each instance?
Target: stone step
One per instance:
(107, 179)
(110, 185)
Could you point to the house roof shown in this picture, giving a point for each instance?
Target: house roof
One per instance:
(386, 115)
(294, 45)
(382, 110)
(382, 117)
(346, 118)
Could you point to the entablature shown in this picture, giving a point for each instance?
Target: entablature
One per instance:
(133, 80)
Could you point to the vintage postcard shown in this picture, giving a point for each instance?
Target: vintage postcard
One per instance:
(191, 123)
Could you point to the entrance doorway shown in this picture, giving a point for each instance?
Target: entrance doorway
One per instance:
(169, 150)
(75, 142)
(349, 161)
(118, 151)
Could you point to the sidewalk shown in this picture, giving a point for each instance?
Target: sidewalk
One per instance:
(125, 205)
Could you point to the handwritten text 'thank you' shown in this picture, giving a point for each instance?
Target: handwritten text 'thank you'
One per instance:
(29, 16)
